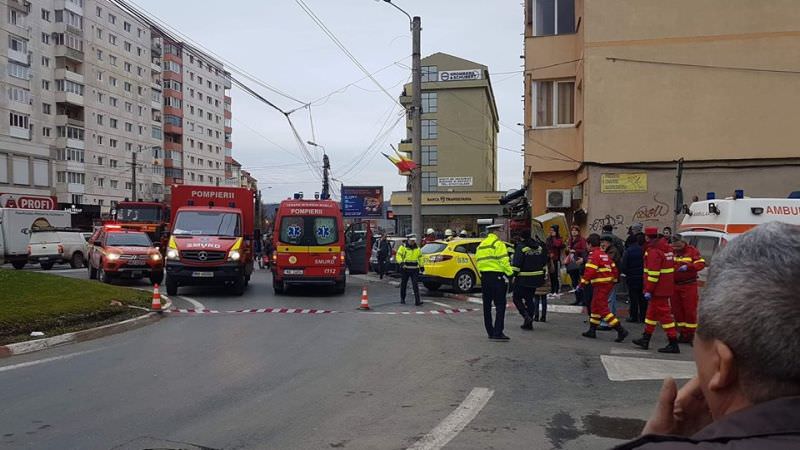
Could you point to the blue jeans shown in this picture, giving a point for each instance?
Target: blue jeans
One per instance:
(612, 305)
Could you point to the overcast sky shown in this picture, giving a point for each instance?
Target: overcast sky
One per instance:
(276, 41)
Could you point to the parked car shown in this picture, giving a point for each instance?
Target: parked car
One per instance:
(452, 263)
(392, 266)
(44, 248)
(118, 253)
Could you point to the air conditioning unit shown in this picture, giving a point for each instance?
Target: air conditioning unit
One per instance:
(559, 198)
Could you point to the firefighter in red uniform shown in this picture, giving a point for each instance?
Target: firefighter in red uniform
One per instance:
(602, 273)
(688, 262)
(659, 284)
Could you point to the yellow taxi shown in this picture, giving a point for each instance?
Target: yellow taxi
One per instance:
(452, 263)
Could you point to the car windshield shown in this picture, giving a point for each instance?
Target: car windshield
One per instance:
(303, 230)
(433, 247)
(139, 214)
(128, 240)
(207, 223)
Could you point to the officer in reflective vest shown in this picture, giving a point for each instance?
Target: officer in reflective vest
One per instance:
(530, 259)
(409, 258)
(494, 267)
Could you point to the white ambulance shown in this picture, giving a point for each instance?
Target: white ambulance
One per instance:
(709, 225)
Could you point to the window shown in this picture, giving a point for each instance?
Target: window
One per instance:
(112, 60)
(112, 81)
(99, 119)
(430, 155)
(45, 38)
(430, 129)
(127, 46)
(126, 26)
(99, 12)
(101, 182)
(45, 61)
(69, 86)
(139, 71)
(128, 87)
(430, 73)
(141, 130)
(172, 102)
(18, 120)
(70, 132)
(45, 15)
(554, 103)
(114, 184)
(99, 139)
(47, 108)
(430, 102)
(99, 32)
(100, 160)
(112, 163)
(112, 101)
(17, 44)
(171, 66)
(129, 127)
(112, 143)
(128, 67)
(70, 154)
(99, 55)
(128, 147)
(128, 106)
(19, 95)
(429, 181)
(112, 39)
(175, 86)
(112, 122)
(18, 70)
(112, 18)
(16, 17)
(554, 17)
(46, 131)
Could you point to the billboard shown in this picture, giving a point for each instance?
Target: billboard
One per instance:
(362, 201)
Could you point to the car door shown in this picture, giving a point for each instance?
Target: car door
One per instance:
(95, 248)
(358, 238)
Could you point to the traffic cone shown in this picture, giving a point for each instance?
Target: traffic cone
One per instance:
(364, 299)
(156, 305)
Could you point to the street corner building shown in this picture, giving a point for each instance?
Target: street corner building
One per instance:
(459, 146)
(616, 92)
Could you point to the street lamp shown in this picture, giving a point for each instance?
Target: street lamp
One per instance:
(314, 144)
(416, 115)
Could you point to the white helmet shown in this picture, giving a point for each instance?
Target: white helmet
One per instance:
(463, 233)
(430, 231)
(448, 232)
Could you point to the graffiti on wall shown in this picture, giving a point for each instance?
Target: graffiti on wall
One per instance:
(597, 225)
(651, 212)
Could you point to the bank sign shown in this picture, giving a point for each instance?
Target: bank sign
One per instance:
(460, 75)
(362, 201)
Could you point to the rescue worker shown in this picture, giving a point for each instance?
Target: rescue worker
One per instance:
(463, 234)
(494, 267)
(449, 235)
(530, 260)
(659, 284)
(688, 262)
(409, 258)
(430, 236)
(602, 274)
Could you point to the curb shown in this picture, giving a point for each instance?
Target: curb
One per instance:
(21, 348)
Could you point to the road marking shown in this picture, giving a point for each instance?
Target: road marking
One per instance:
(443, 305)
(45, 360)
(456, 421)
(197, 305)
(475, 300)
(626, 368)
(626, 351)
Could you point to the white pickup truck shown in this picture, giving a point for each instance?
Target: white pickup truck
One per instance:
(15, 231)
(49, 247)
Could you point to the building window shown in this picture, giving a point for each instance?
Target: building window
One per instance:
(112, 123)
(126, 26)
(19, 71)
(554, 103)
(45, 38)
(430, 181)
(46, 131)
(47, 108)
(430, 102)
(18, 120)
(19, 95)
(554, 17)
(430, 129)
(430, 73)
(430, 155)
(45, 15)
(45, 61)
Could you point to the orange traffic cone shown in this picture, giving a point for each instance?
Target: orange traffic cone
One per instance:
(364, 299)
(156, 305)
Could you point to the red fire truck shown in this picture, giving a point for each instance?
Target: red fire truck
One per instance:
(212, 237)
(149, 217)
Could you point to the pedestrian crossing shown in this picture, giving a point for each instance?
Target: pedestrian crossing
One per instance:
(632, 368)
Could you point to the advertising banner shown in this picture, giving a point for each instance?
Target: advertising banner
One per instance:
(616, 183)
(362, 201)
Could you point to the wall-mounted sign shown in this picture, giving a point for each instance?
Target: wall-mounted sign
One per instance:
(449, 198)
(619, 183)
(362, 201)
(455, 181)
(27, 201)
(460, 75)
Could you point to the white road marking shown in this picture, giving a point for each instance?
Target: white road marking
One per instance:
(456, 421)
(195, 303)
(626, 351)
(443, 305)
(624, 368)
(45, 360)
(475, 300)
(569, 309)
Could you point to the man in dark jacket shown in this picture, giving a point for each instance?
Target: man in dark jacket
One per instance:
(530, 259)
(746, 394)
(384, 252)
(633, 269)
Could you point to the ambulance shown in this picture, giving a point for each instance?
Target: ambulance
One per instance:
(709, 225)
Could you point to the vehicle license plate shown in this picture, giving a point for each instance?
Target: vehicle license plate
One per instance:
(136, 262)
(293, 272)
(43, 258)
(203, 274)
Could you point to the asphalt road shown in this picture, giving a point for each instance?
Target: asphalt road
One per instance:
(348, 379)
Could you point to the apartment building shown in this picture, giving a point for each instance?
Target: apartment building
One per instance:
(616, 91)
(93, 93)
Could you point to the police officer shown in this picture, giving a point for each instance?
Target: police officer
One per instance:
(494, 268)
(530, 259)
(409, 258)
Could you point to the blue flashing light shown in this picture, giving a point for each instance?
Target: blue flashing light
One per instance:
(738, 194)
(711, 196)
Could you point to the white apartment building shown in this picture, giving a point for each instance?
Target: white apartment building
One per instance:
(86, 87)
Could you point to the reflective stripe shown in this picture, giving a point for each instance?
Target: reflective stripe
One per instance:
(604, 269)
(655, 273)
(668, 325)
(591, 265)
(608, 316)
(700, 260)
(614, 322)
(650, 322)
(668, 270)
(531, 274)
(653, 279)
(595, 316)
(681, 324)
(690, 325)
(583, 281)
(491, 257)
(683, 259)
(602, 280)
(515, 269)
(594, 321)
(526, 249)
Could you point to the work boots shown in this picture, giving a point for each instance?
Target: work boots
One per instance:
(527, 324)
(643, 341)
(591, 333)
(672, 347)
(685, 339)
(622, 333)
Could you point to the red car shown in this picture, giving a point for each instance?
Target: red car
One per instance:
(118, 253)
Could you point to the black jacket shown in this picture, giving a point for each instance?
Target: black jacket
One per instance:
(633, 263)
(530, 259)
(384, 249)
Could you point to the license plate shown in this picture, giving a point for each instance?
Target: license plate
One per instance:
(136, 262)
(43, 258)
(203, 274)
(293, 272)
(137, 274)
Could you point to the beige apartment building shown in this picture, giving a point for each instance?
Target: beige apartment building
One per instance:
(459, 146)
(616, 91)
(87, 87)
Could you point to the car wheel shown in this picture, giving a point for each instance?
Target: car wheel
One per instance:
(238, 286)
(19, 265)
(156, 277)
(277, 287)
(341, 287)
(431, 285)
(76, 262)
(464, 281)
(47, 266)
(92, 272)
(172, 286)
(103, 276)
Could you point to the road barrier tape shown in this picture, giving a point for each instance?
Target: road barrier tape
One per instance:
(433, 312)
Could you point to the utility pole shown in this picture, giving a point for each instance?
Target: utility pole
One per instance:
(133, 177)
(416, 139)
(326, 165)
(678, 194)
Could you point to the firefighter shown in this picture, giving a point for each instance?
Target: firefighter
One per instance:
(530, 260)
(494, 268)
(688, 262)
(430, 236)
(463, 234)
(659, 284)
(601, 272)
(409, 258)
(449, 235)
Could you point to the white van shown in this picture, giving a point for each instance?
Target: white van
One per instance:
(15, 228)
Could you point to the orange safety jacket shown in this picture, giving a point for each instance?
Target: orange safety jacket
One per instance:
(691, 258)
(600, 268)
(659, 269)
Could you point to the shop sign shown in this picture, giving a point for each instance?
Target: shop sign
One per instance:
(460, 75)
(620, 183)
(455, 181)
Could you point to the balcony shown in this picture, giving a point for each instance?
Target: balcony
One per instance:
(156, 46)
(69, 98)
(62, 51)
(63, 142)
(173, 146)
(172, 128)
(66, 74)
(19, 56)
(63, 120)
(69, 5)
(22, 5)
(155, 65)
(19, 132)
